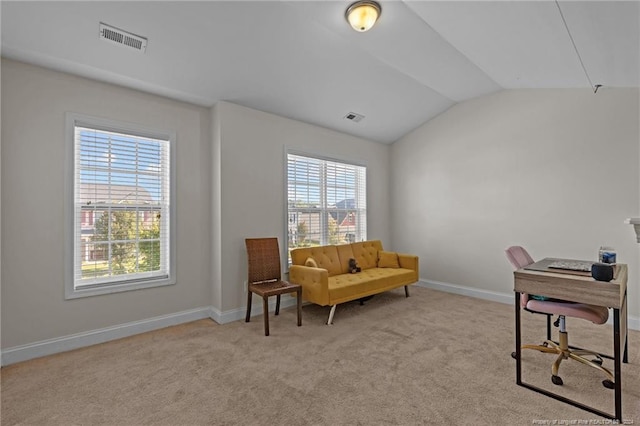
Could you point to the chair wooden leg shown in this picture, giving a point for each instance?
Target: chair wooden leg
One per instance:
(299, 297)
(249, 297)
(406, 290)
(265, 308)
(278, 304)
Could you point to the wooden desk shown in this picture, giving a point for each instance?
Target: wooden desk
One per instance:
(581, 289)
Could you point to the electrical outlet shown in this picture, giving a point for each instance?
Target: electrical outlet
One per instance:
(244, 285)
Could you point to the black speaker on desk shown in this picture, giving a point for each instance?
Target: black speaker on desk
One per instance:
(602, 271)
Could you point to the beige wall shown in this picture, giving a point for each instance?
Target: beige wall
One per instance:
(556, 171)
(230, 178)
(34, 103)
(456, 191)
(252, 173)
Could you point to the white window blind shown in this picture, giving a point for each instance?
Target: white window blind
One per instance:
(122, 202)
(327, 201)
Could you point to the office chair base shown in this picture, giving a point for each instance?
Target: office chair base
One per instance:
(563, 352)
(557, 380)
(539, 347)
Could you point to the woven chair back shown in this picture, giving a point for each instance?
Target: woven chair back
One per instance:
(263, 258)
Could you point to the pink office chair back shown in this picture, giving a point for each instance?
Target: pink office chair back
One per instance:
(519, 258)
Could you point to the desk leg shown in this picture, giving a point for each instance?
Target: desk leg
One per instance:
(616, 361)
(624, 334)
(518, 341)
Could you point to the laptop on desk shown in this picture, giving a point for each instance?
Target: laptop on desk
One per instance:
(562, 266)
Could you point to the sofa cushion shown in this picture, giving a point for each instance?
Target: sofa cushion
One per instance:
(346, 287)
(325, 256)
(388, 259)
(345, 252)
(311, 262)
(299, 256)
(366, 253)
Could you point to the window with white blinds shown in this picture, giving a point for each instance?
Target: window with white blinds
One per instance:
(327, 201)
(122, 209)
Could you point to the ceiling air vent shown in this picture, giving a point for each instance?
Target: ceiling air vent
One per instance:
(123, 38)
(355, 117)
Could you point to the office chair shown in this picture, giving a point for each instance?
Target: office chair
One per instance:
(519, 258)
(265, 279)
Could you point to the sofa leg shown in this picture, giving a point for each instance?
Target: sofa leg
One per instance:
(333, 311)
(406, 290)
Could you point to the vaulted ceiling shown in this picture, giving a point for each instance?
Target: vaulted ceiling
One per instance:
(300, 59)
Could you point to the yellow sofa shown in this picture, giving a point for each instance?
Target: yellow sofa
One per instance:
(323, 272)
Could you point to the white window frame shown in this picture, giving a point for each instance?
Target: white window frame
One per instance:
(360, 193)
(72, 232)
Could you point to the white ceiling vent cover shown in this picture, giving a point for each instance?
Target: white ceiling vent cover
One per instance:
(123, 38)
(354, 116)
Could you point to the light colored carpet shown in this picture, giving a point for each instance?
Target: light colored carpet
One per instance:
(432, 358)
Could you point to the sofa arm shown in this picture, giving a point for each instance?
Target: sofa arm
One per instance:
(409, 261)
(314, 282)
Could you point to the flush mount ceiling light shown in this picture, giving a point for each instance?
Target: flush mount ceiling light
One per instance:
(362, 15)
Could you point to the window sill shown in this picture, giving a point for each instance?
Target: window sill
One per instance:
(88, 291)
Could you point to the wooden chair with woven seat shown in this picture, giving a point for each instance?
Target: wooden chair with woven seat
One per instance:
(265, 278)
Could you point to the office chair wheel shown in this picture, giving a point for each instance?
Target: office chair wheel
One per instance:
(608, 384)
(557, 380)
(513, 355)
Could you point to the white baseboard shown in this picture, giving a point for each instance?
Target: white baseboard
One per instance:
(75, 341)
(80, 340)
(93, 337)
(467, 291)
(256, 309)
(507, 298)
